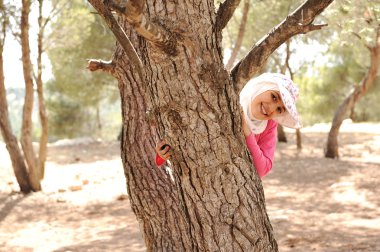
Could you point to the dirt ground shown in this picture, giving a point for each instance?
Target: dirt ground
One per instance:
(315, 204)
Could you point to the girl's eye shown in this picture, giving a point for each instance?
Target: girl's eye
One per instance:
(274, 97)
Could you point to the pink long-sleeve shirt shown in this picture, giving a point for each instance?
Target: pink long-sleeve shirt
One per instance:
(262, 147)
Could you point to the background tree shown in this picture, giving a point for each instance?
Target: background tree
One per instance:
(365, 27)
(79, 102)
(173, 84)
(259, 22)
(42, 24)
(26, 131)
(10, 139)
(31, 165)
(240, 36)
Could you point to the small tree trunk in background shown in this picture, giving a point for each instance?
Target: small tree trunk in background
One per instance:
(240, 36)
(331, 150)
(287, 63)
(281, 136)
(120, 134)
(41, 101)
(299, 142)
(10, 140)
(26, 133)
(98, 122)
(352, 114)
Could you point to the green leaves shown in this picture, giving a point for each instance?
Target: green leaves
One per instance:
(76, 95)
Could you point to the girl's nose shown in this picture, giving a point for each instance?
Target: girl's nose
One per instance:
(272, 108)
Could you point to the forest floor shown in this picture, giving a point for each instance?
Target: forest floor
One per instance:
(314, 204)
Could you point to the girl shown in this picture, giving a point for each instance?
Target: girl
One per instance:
(265, 101)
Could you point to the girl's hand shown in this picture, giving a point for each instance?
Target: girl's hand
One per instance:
(244, 126)
(163, 150)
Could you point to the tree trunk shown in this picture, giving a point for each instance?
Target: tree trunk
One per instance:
(216, 201)
(154, 198)
(353, 114)
(98, 123)
(10, 140)
(180, 91)
(298, 139)
(219, 203)
(341, 113)
(26, 133)
(281, 136)
(41, 101)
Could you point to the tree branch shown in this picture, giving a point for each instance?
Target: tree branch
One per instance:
(56, 9)
(133, 12)
(361, 40)
(299, 22)
(287, 59)
(106, 66)
(239, 40)
(120, 35)
(225, 12)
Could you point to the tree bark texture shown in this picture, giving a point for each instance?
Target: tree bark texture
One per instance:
(215, 201)
(26, 133)
(10, 140)
(332, 147)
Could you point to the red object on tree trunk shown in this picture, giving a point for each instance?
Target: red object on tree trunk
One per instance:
(159, 160)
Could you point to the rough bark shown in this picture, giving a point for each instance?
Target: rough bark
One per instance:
(240, 36)
(225, 13)
(26, 132)
(332, 147)
(154, 196)
(299, 22)
(215, 201)
(10, 140)
(41, 101)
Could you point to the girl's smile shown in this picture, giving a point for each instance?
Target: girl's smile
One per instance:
(267, 105)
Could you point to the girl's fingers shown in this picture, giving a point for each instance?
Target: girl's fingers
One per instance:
(162, 150)
(167, 155)
(166, 149)
(159, 145)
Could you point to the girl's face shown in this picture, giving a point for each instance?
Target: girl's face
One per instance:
(267, 105)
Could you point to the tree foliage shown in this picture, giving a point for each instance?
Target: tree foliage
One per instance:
(352, 28)
(75, 94)
(260, 22)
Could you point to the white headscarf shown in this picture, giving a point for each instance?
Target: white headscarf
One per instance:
(263, 83)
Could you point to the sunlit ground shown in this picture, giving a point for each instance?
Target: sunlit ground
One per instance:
(83, 207)
(315, 204)
(322, 204)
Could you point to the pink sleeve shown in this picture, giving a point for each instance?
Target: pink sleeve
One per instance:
(262, 150)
